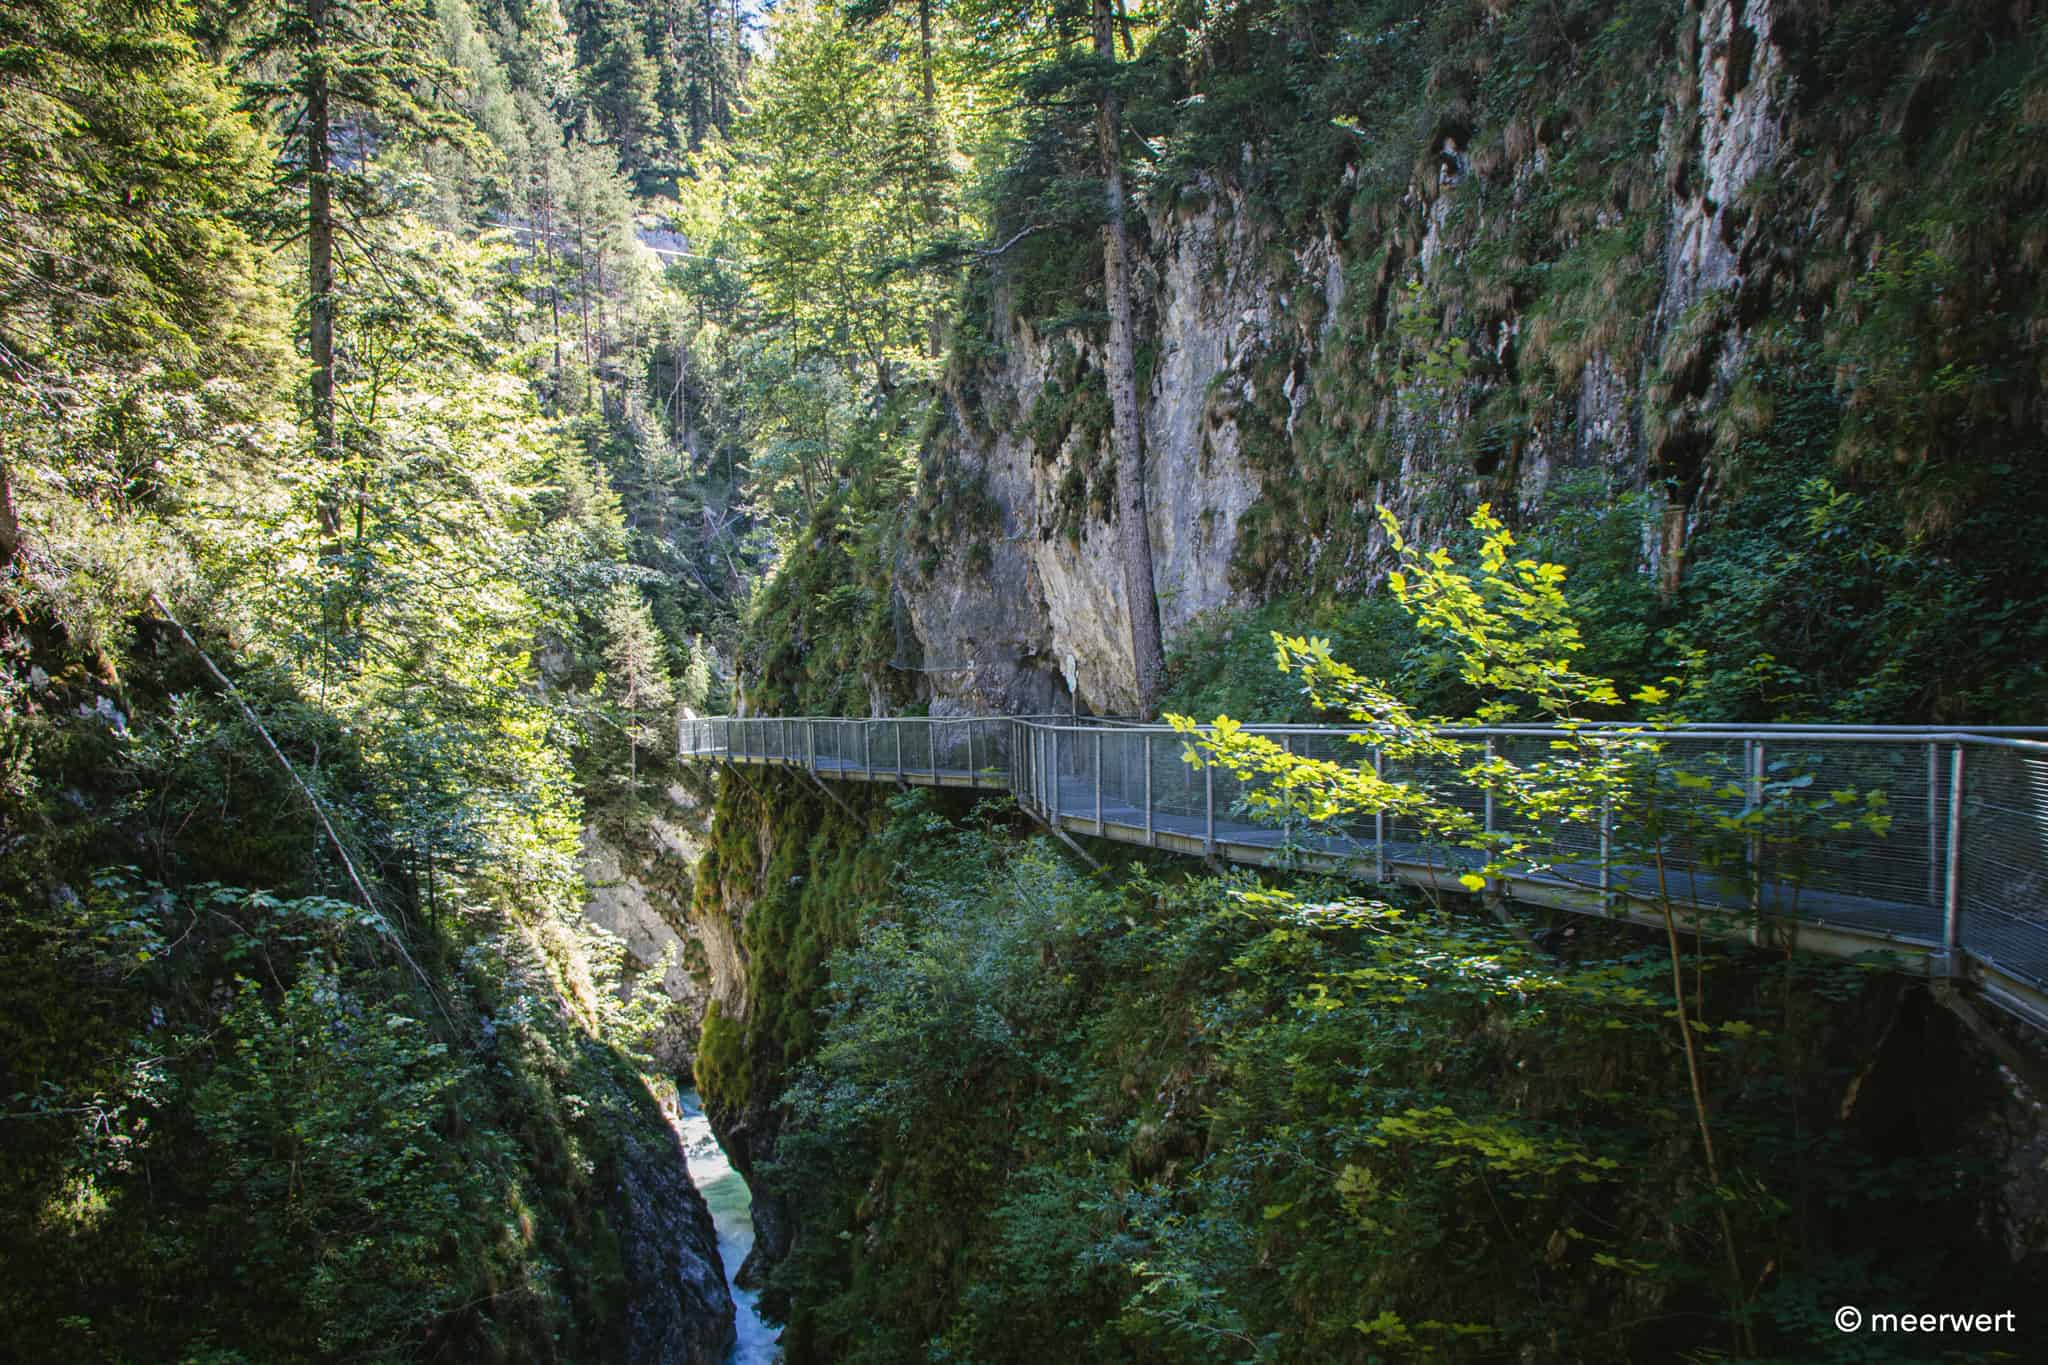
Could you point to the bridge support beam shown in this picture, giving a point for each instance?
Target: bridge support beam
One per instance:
(830, 795)
(1073, 846)
(2027, 1067)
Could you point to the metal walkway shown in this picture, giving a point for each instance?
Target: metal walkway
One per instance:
(1956, 886)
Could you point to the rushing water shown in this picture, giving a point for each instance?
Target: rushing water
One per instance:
(731, 1204)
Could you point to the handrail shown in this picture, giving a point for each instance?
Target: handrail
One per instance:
(1955, 881)
(1721, 729)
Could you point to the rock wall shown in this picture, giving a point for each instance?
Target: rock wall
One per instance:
(1045, 610)
(678, 1310)
(1279, 383)
(640, 882)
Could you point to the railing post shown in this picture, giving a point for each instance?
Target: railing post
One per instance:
(1098, 784)
(811, 744)
(1038, 768)
(1753, 761)
(1027, 741)
(1209, 809)
(1379, 819)
(971, 769)
(1933, 825)
(1151, 840)
(1952, 898)
(1055, 776)
(1287, 812)
(867, 749)
(898, 730)
(1607, 847)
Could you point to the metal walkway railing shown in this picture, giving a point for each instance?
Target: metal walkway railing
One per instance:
(1953, 881)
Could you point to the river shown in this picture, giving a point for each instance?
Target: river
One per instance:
(731, 1213)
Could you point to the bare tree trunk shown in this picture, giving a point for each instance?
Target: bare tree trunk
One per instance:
(1738, 1298)
(1134, 535)
(714, 105)
(547, 237)
(679, 402)
(320, 255)
(604, 331)
(924, 48)
(583, 306)
(10, 527)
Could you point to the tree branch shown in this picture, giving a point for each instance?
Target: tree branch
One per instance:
(987, 253)
(319, 811)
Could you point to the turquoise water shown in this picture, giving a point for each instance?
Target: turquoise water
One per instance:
(731, 1213)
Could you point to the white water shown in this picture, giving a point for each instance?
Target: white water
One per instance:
(731, 1205)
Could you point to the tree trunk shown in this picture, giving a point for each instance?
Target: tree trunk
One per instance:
(679, 402)
(320, 256)
(547, 238)
(583, 307)
(714, 105)
(10, 527)
(1134, 535)
(924, 49)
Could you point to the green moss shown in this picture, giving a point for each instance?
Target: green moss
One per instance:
(722, 1074)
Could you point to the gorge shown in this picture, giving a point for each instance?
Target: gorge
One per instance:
(494, 494)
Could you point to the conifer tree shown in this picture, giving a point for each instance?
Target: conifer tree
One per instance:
(622, 87)
(345, 79)
(696, 684)
(636, 673)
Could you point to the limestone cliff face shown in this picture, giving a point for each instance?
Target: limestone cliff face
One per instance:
(1289, 394)
(678, 1310)
(1045, 602)
(639, 886)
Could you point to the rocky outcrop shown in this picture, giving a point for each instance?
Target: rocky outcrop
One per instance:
(678, 1310)
(1281, 406)
(1043, 617)
(638, 887)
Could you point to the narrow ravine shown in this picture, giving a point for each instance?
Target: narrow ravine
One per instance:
(725, 1190)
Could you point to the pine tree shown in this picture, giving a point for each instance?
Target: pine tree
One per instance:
(636, 673)
(696, 685)
(621, 84)
(124, 172)
(346, 80)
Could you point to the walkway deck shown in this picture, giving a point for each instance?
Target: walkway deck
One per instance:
(1956, 887)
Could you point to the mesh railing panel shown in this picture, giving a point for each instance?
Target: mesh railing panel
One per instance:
(2003, 860)
(1669, 823)
(1177, 786)
(915, 742)
(1882, 793)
